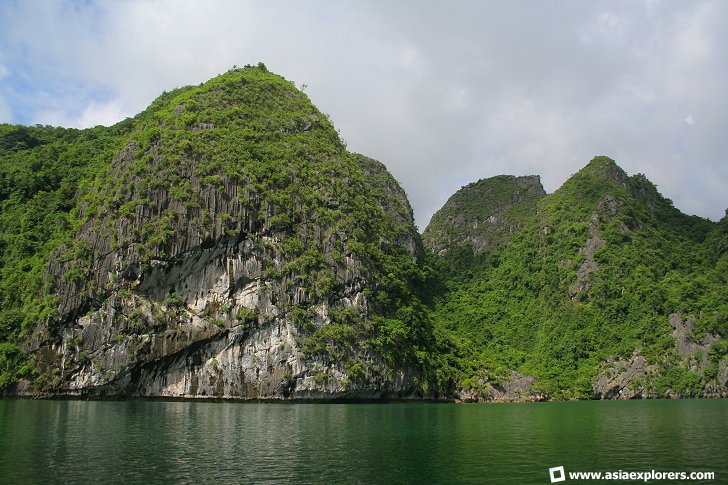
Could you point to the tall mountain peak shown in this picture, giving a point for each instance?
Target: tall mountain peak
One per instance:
(224, 243)
(602, 166)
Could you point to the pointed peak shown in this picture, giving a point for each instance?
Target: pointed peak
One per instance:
(247, 73)
(599, 174)
(604, 167)
(248, 85)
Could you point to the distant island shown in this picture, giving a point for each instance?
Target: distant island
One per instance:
(224, 244)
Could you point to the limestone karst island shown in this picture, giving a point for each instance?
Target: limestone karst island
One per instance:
(224, 244)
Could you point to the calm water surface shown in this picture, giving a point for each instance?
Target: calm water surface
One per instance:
(194, 442)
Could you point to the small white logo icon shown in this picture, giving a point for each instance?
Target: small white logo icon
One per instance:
(557, 474)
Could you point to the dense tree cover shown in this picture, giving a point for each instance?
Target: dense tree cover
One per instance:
(41, 168)
(552, 288)
(149, 184)
(594, 274)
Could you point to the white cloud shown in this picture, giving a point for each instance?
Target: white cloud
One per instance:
(443, 96)
(6, 116)
(605, 27)
(410, 59)
(93, 114)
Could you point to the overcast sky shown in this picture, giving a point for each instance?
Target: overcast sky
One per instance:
(443, 93)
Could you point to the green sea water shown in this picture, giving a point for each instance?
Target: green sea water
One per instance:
(206, 442)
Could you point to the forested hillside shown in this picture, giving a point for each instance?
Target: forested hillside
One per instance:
(606, 290)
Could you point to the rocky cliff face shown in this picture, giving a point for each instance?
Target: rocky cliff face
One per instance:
(636, 378)
(233, 249)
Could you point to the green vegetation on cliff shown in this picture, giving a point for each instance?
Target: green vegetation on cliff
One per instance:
(245, 156)
(593, 274)
(40, 172)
